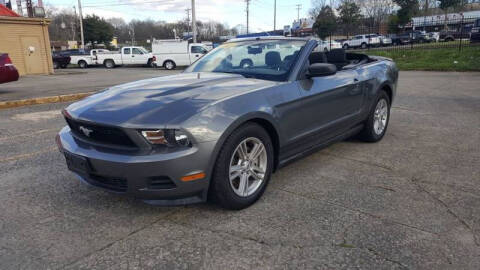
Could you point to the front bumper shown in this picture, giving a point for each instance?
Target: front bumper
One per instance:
(154, 178)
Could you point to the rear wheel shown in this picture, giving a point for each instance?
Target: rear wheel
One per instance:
(109, 64)
(364, 45)
(345, 46)
(377, 122)
(56, 65)
(82, 64)
(243, 167)
(169, 65)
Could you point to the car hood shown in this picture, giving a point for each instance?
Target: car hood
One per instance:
(158, 101)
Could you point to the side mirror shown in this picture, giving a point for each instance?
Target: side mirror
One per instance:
(321, 69)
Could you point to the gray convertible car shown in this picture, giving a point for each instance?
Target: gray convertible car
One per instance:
(221, 128)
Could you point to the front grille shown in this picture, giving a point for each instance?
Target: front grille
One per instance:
(161, 182)
(112, 183)
(100, 134)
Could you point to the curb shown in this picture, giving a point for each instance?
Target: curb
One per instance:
(43, 100)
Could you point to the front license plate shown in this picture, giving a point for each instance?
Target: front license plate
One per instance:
(77, 163)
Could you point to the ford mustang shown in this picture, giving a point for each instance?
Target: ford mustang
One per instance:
(222, 127)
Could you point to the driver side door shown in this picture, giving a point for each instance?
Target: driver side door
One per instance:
(330, 104)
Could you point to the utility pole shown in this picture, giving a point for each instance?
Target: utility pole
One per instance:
(81, 24)
(248, 15)
(194, 23)
(74, 22)
(299, 6)
(188, 19)
(19, 7)
(274, 15)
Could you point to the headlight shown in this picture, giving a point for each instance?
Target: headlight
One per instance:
(168, 137)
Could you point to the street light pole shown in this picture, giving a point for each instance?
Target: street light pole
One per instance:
(274, 15)
(81, 24)
(194, 23)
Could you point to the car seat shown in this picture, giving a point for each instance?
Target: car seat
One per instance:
(273, 60)
(338, 57)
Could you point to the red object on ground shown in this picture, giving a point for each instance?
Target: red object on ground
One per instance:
(4, 11)
(8, 72)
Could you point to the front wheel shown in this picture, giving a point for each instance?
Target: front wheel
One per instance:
(243, 167)
(364, 45)
(377, 122)
(345, 47)
(56, 65)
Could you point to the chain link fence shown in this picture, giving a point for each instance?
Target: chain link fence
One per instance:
(431, 32)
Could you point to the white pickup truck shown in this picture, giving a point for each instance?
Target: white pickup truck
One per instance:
(87, 59)
(126, 56)
(362, 41)
(172, 53)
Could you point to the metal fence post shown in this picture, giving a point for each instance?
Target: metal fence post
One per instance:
(461, 35)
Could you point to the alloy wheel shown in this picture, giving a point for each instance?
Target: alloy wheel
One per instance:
(380, 116)
(248, 166)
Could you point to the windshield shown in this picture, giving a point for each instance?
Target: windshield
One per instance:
(261, 59)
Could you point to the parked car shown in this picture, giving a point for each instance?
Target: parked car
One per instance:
(89, 58)
(327, 45)
(400, 39)
(419, 37)
(433, 36)
(385, 41)
(453, 35)
(220, 129)
(8, 72)
(362, 41)
(475, 36)
(126, 56)
(174, 53)
(60, 60)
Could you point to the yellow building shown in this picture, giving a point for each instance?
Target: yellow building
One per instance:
(27, 43)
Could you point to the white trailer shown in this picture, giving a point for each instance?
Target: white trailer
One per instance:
(85, 60)
(126, 56)
(173, 53)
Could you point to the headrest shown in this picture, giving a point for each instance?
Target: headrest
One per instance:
(273, 59)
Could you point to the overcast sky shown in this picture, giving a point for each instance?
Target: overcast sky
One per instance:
(231, 12)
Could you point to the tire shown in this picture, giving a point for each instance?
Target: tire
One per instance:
(64, 66)
(364, 45)
(109, 64)
(226, 190)
(325, 49)
(246, 63)
(82, 64)
(345, 46)
(150, 63)
(370, 133)
(169, 65)
(56, 65)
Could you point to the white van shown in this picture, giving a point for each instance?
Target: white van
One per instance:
(173, 53)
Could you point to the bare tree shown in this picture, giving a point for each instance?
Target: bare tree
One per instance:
(376, 10)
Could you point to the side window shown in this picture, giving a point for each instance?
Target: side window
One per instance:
(136, 51)
(126, 51)
(197, 49)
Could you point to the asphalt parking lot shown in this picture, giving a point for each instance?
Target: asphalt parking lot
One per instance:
(75, 80)
(411, 201)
